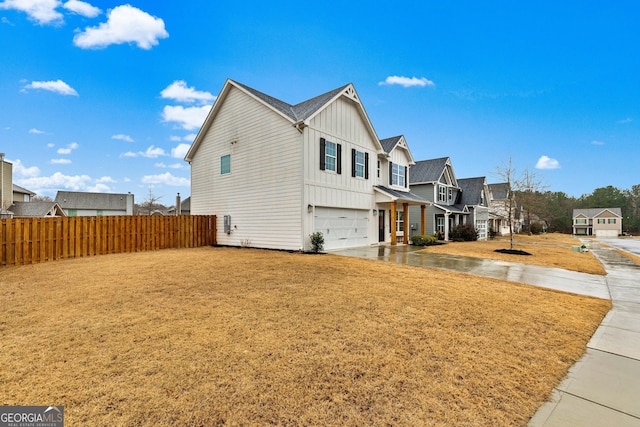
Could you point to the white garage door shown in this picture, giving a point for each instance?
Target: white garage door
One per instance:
(606, 233)
(342, 228)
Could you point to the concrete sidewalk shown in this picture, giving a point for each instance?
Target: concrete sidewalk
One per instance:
(603, 387)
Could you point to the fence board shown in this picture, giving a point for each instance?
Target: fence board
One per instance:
(34, 240)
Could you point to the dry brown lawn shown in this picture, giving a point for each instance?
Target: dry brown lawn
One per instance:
(549, 250)
(633, 257)
(221, 336)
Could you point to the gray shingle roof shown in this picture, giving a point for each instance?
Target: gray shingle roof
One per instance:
(592, 212)
(471, 190)
(99, 201)
(427, 170)
(297, 112)
(32, 209)
(499, 191)
(405, 195)
(388, 144)
(18, 189)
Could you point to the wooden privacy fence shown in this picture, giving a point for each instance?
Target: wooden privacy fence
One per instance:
(34, 240)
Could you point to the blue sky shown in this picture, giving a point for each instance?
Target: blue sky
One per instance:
(107, 96)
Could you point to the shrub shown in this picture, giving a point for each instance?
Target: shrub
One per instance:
(420, 240)
(535, 228)
(317, 241)
(463, 233)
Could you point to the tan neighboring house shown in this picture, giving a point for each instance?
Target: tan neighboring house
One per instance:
(599, 222)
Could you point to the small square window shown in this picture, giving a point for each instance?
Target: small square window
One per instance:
(225, 164)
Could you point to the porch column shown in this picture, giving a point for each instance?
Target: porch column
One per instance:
(393, 222)
(446, 226)
(405, 237)
(423, 220)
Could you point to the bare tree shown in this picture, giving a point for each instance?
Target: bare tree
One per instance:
(41, 199)
(150, 203)
(528, 186)
(507, 173)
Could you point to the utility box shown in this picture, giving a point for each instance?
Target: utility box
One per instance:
(227, 224)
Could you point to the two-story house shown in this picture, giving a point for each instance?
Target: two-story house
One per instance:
(474, 195)
(599, 222)
(435, 181)
(274, 173)
(502, 202)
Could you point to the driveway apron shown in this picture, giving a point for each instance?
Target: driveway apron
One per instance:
(602, 388)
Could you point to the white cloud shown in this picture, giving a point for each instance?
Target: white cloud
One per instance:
(174, 138)
(57, 86)
(82, 8)
(597, 143)
(160, 165)
(179, 91)
(407, 81)
(68, 149)
(129, 154)
(188, 118)
(42, 11)
(22, 170)
(191, 137)
(153, 152)
(4, 20)
(125, 24)
(166, 178)
(36, 131)
(625, 121)
(545, 162)
(180, 151)
(60, 161)
(51, 145)
(106, 179)
(55, 181)
(99, 188)
(122, 137)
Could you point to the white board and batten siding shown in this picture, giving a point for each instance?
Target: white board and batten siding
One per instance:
(262, 193)
(342, 204)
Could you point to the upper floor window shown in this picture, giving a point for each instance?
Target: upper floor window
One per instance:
(442, 193)
(359, 164)
(398, 175)
(378, 168)
(330, 156)
(451, 194)
(601, 221)
(581, 221)
(612, 220)
(225, 164)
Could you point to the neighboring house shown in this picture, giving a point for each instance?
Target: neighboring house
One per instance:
(185, 207)
(499, 200)
(95, 204)
(21, 194)
(599, 222)
(36, 210)
(6, 187)
(474, 195)
(274, 173)
(435, 181)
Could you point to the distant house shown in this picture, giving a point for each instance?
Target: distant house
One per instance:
(274, 173)
(500, 198)
(6, 187)
(36, 210)
(599, 222)
(21, 194)
(185, 207)
(95, 204)
(474, 195)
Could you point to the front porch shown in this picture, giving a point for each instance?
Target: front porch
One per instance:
(394, 205)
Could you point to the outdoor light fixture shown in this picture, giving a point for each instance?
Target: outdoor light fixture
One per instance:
(310, 208)
(375, 212)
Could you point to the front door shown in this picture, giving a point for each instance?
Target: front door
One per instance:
(380, 226)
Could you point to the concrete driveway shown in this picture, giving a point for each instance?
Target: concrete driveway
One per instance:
(602, 388)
